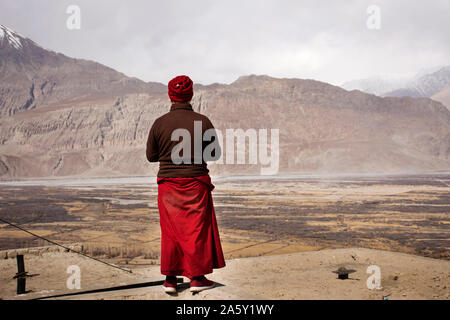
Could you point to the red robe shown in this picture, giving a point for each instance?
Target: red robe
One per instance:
(190, 242)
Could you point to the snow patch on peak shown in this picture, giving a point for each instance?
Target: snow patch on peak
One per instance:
(12, 37)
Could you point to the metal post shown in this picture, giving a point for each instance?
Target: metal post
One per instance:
(21, 275)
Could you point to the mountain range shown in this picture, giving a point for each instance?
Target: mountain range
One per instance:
(426, 84)
(61, 117)
(32, 77)
(443, 96)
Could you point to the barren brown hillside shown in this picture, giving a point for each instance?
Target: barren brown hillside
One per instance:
(61, 116)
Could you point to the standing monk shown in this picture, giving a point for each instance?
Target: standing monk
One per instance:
(190, 242)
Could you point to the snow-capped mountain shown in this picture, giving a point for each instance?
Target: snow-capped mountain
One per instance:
(377, 85)
(425, 83)
(424, 86)
(31, 76)
(10, 38)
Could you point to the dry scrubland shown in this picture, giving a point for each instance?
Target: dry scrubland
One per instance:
(257, 217)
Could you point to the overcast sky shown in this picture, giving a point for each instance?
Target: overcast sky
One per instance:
(218, 41)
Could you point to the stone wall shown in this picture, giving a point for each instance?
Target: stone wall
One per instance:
(37, 251)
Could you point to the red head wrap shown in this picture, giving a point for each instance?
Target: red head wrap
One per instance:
(181, 89)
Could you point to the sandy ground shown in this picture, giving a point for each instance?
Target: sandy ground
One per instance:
(305, 275)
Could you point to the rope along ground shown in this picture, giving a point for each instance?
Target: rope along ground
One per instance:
(59, 245)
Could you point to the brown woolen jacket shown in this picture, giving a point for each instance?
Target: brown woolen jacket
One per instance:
(160, 144)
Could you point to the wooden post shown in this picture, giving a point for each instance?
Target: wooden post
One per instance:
(21, 275)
